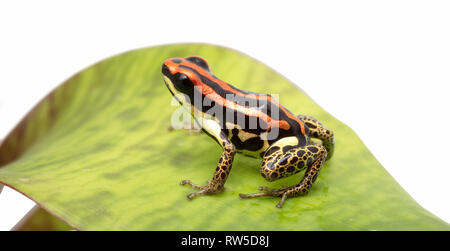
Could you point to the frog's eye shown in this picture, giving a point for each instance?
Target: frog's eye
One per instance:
(182, 82)
(199, 61)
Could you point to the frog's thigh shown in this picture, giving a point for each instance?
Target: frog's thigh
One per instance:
(319, 131)
(279, 162)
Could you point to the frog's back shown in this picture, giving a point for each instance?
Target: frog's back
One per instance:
(254, 121)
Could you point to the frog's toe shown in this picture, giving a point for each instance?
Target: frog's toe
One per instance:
(264, 188)
(192, 195)
(268, 189)
(255, 195)
(188, 182)
(283, 199)
(269, 192)
(210, 188)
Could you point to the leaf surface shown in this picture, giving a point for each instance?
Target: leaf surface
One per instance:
(96, 152)
(37, 219)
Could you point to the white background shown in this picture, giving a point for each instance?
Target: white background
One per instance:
(381, 67)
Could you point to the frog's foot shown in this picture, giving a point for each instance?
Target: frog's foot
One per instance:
(208, 189)
(283, 187)
(284, 193)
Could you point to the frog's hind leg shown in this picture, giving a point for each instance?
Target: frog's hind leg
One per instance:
(317, 130)
(216, 184)
(278, 163)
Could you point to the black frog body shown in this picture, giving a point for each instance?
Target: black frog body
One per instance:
(251, 123)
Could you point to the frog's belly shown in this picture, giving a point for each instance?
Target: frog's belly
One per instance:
(247, 143)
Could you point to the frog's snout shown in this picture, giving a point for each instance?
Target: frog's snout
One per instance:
(165, 70)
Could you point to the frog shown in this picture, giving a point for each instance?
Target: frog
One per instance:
(300, 142)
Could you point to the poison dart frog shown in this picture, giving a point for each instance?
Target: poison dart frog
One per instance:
(287, 151)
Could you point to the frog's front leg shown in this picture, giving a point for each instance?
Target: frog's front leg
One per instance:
(223, 168)
(278, 163)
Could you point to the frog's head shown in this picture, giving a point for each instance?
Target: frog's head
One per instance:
(182, 75)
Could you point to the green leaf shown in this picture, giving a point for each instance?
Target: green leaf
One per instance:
(1, 186)
(96, 152)
(40, 220)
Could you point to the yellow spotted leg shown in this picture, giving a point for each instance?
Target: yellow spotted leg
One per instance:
(281, 162)
(216, 184)
(317, 130)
